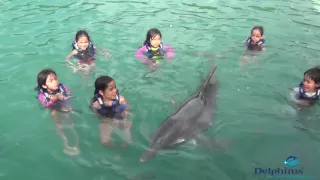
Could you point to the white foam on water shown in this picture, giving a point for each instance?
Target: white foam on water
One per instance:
(317, 5)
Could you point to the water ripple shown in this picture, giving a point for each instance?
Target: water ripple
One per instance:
(202, 7)
(192, 15)
(304, 23)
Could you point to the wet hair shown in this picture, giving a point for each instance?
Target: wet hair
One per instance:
(314, 74)
(42, 77)
(80, 34)
(259, 28)
(151, 34)
(101, 83)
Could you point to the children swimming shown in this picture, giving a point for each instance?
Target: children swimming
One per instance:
(152, 50)
(84, 51)
(255, 42)
(56, 96)
(111, 108)
(308, 91)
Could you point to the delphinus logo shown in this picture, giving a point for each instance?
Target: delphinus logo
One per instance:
(290, 170)
(291, 161)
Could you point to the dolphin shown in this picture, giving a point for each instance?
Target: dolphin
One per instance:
(194, 116)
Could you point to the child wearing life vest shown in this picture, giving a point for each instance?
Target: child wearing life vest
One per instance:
(111, 108)
(308, 91)
(83, 51)
(153, 50)
(56, 96)
(255, 42)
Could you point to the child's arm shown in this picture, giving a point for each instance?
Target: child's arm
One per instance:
(73, 52)
(95, 106)
(304, 102)
(47, 102)
(122, 100)
(140, 55)
(170, 51)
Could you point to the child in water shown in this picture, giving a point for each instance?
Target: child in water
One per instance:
(55, 96)
(153, 50)
(254, 44)
(84, 51)
(111, 108)
(308, 91)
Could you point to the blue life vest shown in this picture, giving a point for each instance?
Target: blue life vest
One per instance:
(303, 95)
(59, 105)
(260, 42)
(60, 90)
(90, 52)
(155, 54)
(114, 111)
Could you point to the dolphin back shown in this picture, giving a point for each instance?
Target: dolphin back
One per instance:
(193, 116)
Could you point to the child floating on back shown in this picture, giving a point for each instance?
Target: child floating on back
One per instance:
(152, 50)
(56, 96)
(308, 91)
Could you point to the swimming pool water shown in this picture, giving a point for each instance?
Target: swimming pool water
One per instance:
(252, 109)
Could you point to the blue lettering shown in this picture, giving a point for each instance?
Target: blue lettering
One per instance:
(282, 171)
(299, 171)
(256, 169)
(273, 171)
(279, 171)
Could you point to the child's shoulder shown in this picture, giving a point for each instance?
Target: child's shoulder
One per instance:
(95, 104)
(143, 47)
(122, 99)
(74, 51)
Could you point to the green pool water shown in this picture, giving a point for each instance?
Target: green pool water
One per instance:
(252, 112)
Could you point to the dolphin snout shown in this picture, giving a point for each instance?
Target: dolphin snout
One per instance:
(142, 160)
(147, 155)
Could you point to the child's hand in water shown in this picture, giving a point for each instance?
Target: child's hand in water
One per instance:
(126, 114)
(60, 97)
(53, 97)
(304, 102)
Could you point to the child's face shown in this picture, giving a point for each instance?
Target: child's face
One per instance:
(256, 36)
(83, 42)
(111, 92)
(52, 83)
(309, 85)
(155, 41)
